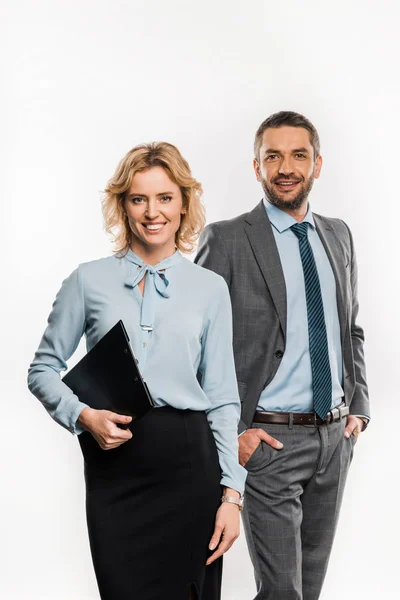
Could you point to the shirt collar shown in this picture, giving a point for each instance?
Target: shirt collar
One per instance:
(170, 261)
(281, 220)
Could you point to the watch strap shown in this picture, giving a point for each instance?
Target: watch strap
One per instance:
(233, 500)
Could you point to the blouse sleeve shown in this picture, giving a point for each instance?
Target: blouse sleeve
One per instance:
(65, 327)
(217, 368)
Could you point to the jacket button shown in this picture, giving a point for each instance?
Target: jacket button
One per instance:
(278, 354)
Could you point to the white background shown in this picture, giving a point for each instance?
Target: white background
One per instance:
(85, 81)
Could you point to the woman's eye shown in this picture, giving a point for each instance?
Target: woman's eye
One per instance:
(137, 200)
(166, 198)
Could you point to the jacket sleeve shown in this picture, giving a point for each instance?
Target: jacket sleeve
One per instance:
(360, 400)
(65, 327)
(213, 255)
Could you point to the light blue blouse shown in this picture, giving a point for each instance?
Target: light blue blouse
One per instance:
(181, 325)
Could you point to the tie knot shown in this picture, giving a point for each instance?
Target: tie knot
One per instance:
(300, 229)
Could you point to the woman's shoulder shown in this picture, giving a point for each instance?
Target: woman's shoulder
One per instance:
(99, 266)
(204, 277)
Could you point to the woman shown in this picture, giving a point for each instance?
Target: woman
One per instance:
(157, 526)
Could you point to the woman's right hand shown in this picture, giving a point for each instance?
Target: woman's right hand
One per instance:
(102, 424)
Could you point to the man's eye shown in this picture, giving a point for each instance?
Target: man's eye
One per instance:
(166, 198)
(300, 155)
(271, 156)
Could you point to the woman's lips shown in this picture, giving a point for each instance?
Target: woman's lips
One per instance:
(153, 228)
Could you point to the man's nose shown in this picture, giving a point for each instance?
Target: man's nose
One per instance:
(286, 167)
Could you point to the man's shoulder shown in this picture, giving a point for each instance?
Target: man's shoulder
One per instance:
(337, 225)
(228, 225)
(232, 226)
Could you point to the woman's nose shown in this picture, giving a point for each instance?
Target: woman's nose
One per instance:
(152, 210)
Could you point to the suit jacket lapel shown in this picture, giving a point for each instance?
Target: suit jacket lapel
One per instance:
(259, 232)
(338, 260)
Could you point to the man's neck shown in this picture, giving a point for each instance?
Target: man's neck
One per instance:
(298, 214)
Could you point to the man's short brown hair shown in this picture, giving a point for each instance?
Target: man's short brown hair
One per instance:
(287, 118)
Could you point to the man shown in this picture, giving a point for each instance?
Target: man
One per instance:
(292, 277)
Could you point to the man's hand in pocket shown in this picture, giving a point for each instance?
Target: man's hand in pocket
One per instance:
(251, 439)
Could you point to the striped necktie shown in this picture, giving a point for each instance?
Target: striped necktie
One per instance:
(318, 342)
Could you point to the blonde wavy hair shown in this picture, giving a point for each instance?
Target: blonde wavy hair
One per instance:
(142, 158)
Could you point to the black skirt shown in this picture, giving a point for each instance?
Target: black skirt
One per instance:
(151, 506)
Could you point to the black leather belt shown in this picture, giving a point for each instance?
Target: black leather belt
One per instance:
(285, 418)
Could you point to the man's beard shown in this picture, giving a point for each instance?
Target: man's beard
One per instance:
(293, 204)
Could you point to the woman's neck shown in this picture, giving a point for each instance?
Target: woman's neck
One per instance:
(152, 256)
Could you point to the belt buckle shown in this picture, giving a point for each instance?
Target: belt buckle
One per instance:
(335, 412)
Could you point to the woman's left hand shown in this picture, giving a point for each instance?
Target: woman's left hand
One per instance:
(227, 530)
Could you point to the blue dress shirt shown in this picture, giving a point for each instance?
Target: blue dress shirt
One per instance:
(181, 325)
(291, 388)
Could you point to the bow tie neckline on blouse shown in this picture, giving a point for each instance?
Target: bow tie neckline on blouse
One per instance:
(156, 283)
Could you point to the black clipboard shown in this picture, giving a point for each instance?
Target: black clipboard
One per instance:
(108, 376)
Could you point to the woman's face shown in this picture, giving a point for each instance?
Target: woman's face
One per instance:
(154, 207)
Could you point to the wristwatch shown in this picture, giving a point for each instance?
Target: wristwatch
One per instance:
(238, 501)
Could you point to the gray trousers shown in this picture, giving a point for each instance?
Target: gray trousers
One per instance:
(292, 503)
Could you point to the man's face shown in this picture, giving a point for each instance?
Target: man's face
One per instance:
(286, 166)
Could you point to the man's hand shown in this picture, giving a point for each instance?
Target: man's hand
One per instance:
(249, 441)
(354, 426)
(102, 424)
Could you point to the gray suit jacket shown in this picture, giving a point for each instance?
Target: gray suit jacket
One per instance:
(244, 252)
